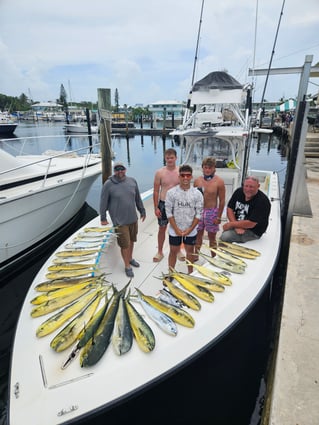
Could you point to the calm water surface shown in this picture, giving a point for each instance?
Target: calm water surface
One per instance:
(240, 391)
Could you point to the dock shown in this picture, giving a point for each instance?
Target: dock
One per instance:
(293, 383)
(131, 132)
(312, 145)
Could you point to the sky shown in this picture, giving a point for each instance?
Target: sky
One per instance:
(146, 49)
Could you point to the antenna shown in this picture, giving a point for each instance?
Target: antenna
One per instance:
(30, 96)
(70, 92)
(197, 44)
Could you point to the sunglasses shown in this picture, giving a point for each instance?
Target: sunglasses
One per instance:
(187, 176)
(120, 168)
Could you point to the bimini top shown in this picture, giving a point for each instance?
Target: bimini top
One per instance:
(217, 80)
(217, 88)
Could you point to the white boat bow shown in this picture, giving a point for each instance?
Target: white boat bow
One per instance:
(43, 392)
(40, 193)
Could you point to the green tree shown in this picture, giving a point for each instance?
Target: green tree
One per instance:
(63, 97)
(12, 104)
(139, 112)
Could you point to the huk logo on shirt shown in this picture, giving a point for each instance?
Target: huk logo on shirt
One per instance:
(183, 204)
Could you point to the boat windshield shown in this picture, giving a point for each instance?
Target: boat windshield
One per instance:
(220, 149)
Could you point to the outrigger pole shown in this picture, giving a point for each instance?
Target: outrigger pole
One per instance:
(197, 43)
(186, 114)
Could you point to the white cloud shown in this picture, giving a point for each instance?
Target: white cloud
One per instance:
(146, 49)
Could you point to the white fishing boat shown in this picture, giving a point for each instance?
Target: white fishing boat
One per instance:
(41, 193)
(44, 111)
(52, 387)
(7, 125)
(80, 128)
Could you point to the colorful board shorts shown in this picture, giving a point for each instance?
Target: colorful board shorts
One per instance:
(206, 221)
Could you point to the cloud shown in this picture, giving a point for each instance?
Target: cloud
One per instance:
(146, 49)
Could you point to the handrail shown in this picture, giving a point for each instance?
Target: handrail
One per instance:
(51, 157)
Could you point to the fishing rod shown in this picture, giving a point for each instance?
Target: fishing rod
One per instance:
(272, 54)
(197, 43)
(260, 112)
(187, 112)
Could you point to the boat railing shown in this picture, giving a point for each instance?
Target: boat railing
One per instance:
(49, 156)
(212, 116)
(68, 138)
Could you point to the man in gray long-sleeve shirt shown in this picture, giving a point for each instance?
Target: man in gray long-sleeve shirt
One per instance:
(121, 197)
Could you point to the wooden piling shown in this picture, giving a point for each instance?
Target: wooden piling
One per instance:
(104, 106)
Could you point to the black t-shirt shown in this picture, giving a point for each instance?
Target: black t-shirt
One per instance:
(256, 209)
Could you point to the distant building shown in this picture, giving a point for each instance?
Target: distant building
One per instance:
(171, 111)
(268, 106)
(46, 111)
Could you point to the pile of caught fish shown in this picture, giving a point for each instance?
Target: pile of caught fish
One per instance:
(95, 314)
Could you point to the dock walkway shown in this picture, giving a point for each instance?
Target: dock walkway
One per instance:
(294, 398)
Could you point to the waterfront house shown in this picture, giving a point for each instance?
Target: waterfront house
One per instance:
(170, 111)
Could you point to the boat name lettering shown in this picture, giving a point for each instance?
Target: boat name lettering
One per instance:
(16, 390)
(68, 410)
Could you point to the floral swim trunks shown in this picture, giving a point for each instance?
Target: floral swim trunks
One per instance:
(206, 221)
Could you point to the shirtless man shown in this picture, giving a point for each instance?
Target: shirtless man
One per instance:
(213, 189)
(165, 178)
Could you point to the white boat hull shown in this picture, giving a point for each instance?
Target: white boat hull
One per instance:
(80, 129)
(41, 392)
(39, 194)
(22, 226)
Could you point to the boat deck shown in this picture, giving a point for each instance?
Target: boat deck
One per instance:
(62, 391)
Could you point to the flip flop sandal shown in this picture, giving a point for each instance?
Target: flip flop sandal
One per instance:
(158, 257)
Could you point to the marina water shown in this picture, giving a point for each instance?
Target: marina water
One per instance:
(232, 372)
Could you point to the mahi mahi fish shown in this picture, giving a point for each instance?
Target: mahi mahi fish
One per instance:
(58, 319)
(99, 229)
(201, 281)
(167, 296)
(70, 266)
(50, 285)
(162, 320)
(122, 337)
(179, 315)
(79, 259)
(229, 257)
(70, 333)
(199, 291)
(205, 271)
(56, 303)
(223, 264)
(61, 292)
(61, 274)
(239, 251)
(80, 252)
(87, 333)
(187, 299)
(143, 333)
(96, 346)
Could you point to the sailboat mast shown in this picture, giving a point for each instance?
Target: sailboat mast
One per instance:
(70, 94)
(197, 43)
